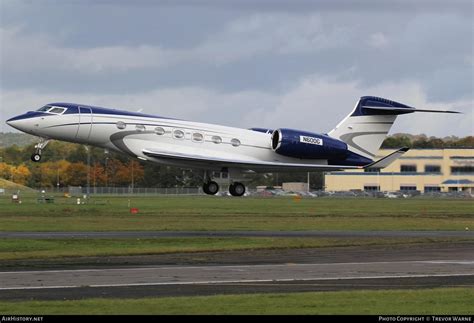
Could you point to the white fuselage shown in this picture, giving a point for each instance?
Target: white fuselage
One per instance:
(133, 134)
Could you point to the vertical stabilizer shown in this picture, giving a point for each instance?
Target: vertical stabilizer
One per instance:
(367, 126)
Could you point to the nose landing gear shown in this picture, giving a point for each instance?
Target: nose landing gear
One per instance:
(36, 157)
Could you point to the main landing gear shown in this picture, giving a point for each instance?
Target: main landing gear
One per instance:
(36, 157)
(210, 188)
(235, 189)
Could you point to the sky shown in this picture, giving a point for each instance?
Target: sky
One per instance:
(247, 63)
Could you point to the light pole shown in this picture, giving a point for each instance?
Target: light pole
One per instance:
(106, 152)
(88, 170)
(57, 180)
(308, 181)
(132, 175)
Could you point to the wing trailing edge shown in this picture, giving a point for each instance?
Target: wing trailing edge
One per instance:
(254, 165)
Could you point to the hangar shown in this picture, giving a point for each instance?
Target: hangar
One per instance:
(424, 170)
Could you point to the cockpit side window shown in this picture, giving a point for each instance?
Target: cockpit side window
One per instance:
(57, 110)
(44, 109)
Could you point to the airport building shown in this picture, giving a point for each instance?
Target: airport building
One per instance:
(423, 170)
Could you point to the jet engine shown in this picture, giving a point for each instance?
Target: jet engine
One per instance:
(307, 145)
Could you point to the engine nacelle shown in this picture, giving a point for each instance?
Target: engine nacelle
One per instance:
(307, 145)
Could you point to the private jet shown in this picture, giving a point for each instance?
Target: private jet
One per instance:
(215, 149)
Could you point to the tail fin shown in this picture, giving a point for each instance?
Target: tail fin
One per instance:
(367, 126)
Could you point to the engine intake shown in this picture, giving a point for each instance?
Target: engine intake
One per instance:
(307, 145)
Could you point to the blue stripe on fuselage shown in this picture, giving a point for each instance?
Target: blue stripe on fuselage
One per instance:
(73, 108)
(28, 115)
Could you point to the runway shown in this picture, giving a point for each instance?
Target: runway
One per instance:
(227, 234)
(188, 275)
(416, 266)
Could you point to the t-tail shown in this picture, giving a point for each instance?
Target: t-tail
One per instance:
(367, 126)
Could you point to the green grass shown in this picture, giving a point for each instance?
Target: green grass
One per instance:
(11, 186)
(214, 213)
(438, 301)
(15, 249)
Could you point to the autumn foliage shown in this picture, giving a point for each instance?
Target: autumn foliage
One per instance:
(66, 164)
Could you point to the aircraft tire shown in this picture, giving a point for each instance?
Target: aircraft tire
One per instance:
(210, 188)
(36, 157)
(204, 188)
(213, 187)
(237, 189)
(231, 189)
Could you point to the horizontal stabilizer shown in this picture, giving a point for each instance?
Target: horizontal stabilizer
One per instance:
(394, 110)
(387, 160)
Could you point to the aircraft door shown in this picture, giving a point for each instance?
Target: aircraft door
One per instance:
(85, 123)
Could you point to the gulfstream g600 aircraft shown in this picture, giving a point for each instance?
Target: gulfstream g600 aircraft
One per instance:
(352, 144)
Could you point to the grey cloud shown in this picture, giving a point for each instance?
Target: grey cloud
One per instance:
(226, 48)
(294, 5)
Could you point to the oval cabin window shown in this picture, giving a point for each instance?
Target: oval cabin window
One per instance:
(235, 142)
(216, 139)
(178, 134)
(121, 125)
(198, 137)
(159, 131)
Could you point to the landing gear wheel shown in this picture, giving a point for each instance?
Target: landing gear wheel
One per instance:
(237, 189)
(204, 188)
(210, 188)
(36, 157)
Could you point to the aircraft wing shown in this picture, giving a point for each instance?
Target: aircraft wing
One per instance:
(255, 165)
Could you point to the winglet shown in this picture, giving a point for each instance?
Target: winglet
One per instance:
(387, 160)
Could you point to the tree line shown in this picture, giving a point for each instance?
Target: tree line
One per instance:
(422, 141)
(66, 164)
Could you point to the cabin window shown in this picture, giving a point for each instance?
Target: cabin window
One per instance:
(140, 127)
(56, 110)
(178, 134)
(198, 137)
(235, 142)
(159, 131)
(216, 139)
(121, 125)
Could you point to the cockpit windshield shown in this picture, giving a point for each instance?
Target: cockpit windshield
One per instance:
(57, 110)
(44, 109)
(51, 109)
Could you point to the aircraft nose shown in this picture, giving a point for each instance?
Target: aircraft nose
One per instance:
(17, 122)
(10, 122)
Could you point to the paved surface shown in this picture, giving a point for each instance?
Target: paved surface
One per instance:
(235, 288)
(186, 275)
(181, 234)
(416, 266)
